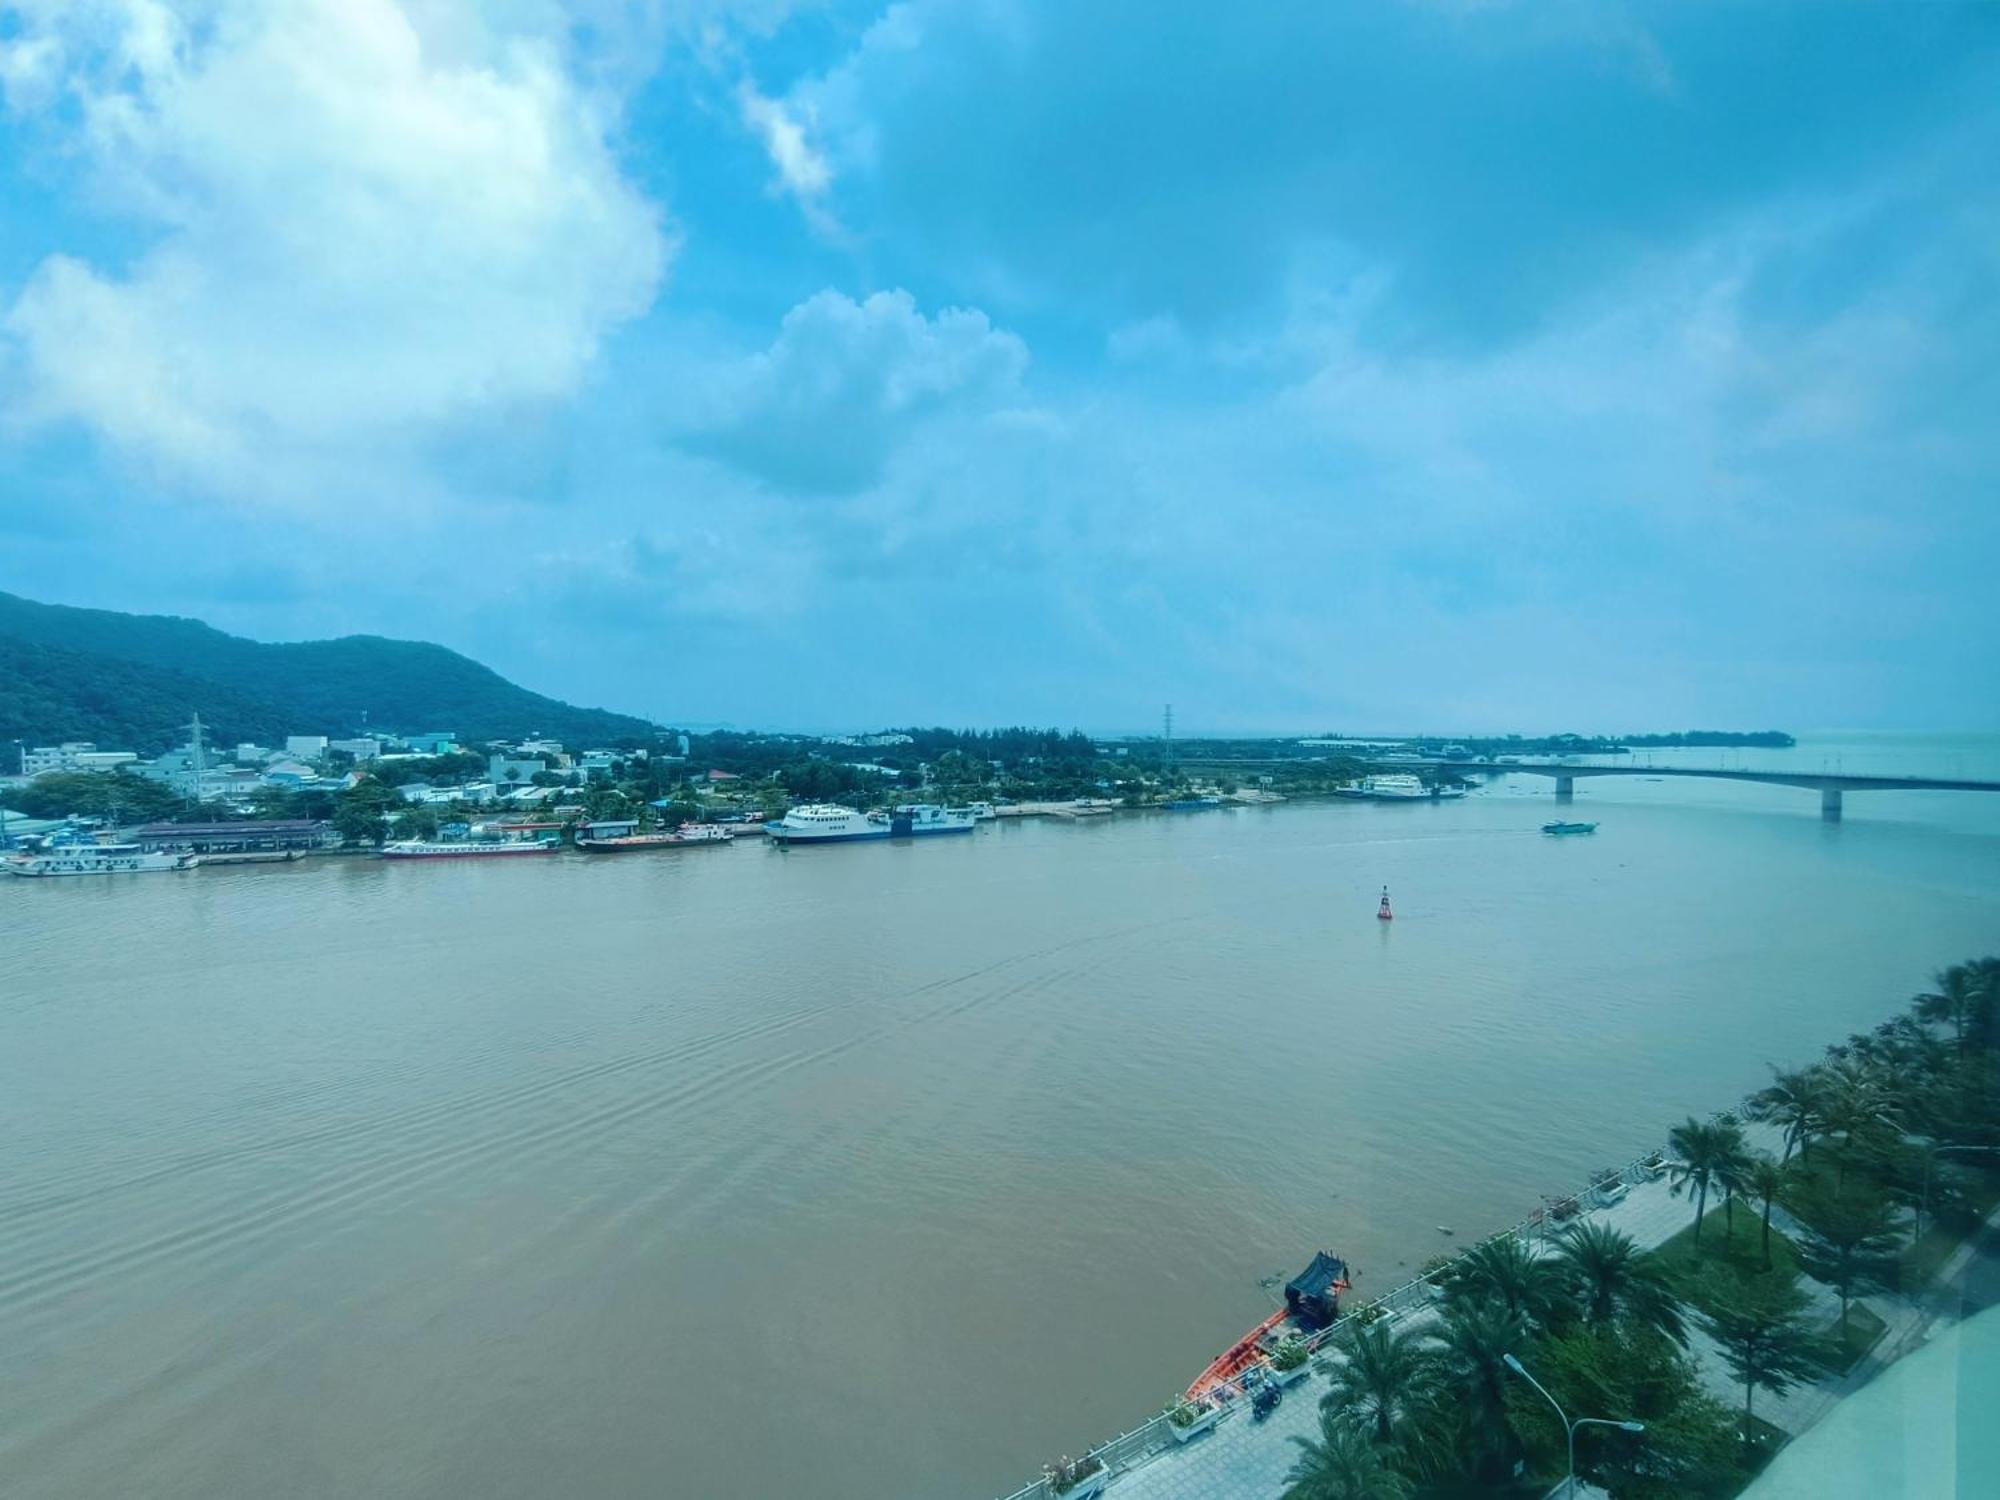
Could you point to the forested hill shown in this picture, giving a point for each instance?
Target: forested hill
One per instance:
(131, 681)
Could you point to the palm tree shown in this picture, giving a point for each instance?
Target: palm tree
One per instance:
(1471, 1347)
(1731, 1175)
(1614, 1279)
(1509, 1273)
(1384, 1386)
(1765, 1179)
(1951, 1003)
(1856, 1104)
(1342, 1465)
(1705, 1149)
(1792, 1101)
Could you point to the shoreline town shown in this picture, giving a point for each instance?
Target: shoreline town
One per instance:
(76, 809)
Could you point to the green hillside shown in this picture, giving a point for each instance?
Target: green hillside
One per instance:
(131, 681)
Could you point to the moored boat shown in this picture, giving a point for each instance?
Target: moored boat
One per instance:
(491, 848)
(698, 834)
(824, 823)
(1312, 1301)
(918, 818)
(81, 857)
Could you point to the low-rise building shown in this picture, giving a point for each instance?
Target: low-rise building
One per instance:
(518, 769)
(305, 746)
(73, 755)
(438, 742)
(359, 749)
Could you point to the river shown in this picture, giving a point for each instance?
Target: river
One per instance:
(871, 1171)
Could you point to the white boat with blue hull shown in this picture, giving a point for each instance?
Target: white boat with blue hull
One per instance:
(824, 823)
(920, 818)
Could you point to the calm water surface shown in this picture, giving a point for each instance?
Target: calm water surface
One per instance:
(865, 1171)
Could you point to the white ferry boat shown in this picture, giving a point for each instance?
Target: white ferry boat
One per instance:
(97, 859)
(437, 849)
(919, 818)
(1396, 786)
(979, 812)
(824, 823)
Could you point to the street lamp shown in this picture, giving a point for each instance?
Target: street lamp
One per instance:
(1924, 1201)
(1569, 1427)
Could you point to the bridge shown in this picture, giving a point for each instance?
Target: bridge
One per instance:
(1831, 785)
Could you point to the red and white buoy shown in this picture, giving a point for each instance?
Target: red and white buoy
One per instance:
(1382, 912)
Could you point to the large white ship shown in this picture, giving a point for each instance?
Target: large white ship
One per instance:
(96, 859)
(824, 823)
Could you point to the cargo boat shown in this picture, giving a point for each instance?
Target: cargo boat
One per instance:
(708, 834)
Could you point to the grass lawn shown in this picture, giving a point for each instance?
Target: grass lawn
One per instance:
(1863, 1329)
(1707, 1275)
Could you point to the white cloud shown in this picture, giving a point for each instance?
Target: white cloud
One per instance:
(784, 129)
(846, 382)
(371, 221)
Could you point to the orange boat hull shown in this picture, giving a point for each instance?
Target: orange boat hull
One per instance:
(1238, 1357)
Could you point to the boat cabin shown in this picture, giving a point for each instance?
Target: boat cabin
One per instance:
(1313, 1296)
(610, 828)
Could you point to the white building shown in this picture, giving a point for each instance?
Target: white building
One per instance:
(72, 755)
(502, 769)
(305, 746)
(359, 749)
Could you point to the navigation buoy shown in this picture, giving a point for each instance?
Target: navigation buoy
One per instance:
(1383, 912)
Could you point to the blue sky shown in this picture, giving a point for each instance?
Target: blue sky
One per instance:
(1457, 366)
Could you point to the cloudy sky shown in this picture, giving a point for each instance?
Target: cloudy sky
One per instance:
(1430, 365)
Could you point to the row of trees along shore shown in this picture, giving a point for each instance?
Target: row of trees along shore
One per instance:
(1882, 1170)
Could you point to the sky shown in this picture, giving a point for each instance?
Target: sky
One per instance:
(1446, 365)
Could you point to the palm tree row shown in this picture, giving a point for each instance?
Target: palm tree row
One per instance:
(1410, 1409)
(1431, 1410)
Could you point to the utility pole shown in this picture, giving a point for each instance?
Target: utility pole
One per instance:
(197, 760)
(1167, 736)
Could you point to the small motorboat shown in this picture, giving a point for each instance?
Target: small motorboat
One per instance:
(1560, 828)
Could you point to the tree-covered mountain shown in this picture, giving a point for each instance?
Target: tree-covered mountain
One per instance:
(132, 681)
